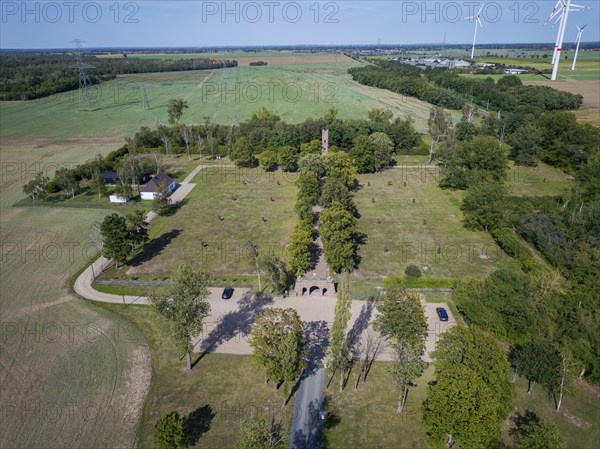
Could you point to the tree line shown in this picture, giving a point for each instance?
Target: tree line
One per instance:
(446, 88)
(27, 76)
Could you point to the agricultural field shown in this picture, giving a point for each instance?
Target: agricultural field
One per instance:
(295, 92)
(402, 229)
(228, 208)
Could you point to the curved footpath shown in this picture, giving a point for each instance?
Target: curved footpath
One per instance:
(226, 329)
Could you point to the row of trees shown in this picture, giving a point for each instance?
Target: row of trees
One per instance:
(28, 75)
(446, 88)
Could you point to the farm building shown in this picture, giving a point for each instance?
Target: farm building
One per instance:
(515, 71)
(149, 190)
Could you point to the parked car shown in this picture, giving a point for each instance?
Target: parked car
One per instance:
(227, 293)
(442, 314)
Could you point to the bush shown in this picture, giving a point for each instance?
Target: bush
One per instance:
(169, 432)
(413, 271)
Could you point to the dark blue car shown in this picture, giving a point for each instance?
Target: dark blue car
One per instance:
(442, 314)
(227, 293)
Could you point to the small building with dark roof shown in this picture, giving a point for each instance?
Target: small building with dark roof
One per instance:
(149, 190)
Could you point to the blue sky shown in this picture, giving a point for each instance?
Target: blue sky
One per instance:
(216, 23)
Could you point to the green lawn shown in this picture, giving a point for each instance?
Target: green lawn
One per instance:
(367, 416)
(579, 417)
(403, 232)
(214, 224)
(221, 389)
(542, 180)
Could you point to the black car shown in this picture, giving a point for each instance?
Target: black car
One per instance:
(227, 293)
(442, 314)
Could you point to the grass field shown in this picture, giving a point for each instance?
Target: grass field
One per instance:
(403, 232)
(295, 92)
(180, 237)
(542, 180)
(219, 392)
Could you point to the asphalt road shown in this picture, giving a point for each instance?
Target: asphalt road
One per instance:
(307, 425)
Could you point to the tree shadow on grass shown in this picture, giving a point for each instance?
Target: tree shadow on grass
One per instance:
(359, 326)
(197, 423)
(154, 247)
(236, 323)
(175, 207)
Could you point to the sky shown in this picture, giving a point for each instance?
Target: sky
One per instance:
(192, 23)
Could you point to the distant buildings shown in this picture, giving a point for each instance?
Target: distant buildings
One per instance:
(515, 71)
(435, 62)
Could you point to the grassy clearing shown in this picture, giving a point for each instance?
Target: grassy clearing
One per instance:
(359, 418)
(542, 180)
(221, 389)
(196, 233)
(589, 115)
(403, 232)
(577, 420)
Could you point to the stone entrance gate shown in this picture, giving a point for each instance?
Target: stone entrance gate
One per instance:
(314, 286)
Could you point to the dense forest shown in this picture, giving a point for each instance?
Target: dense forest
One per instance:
(445, 88)
(27, 76)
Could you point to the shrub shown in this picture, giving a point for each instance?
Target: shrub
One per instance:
(413, 271)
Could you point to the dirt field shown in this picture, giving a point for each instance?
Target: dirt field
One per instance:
(590, 89)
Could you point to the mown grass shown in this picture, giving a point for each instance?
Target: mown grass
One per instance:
(222, 389)
(542, 180)
(360, 418)
(228, 208)
(391, 220)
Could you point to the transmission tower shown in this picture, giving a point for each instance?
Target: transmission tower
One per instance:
(145, 104)
(87, 99)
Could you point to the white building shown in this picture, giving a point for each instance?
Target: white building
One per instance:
(515, 71)
(149, 190)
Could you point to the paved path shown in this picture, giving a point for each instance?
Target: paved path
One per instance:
(307, 423)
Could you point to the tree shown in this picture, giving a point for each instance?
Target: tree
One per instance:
(268, 160)
(383, 149)
(312, 163)
(66, 179)
(242, 153)
(339, 348)
(299, 249)
(533, 432)
(312, 147)
(162, 199)
(254, 257)
(288, 158)
(98, 183)
(309, 188)
(255, 433)
(362, 154)
(115, 237)
(175, 109)
(525, 145)
(187, 136)
(461, 410)
(474, 159)
(185, 305)
(278, 344)
(538, 362)
(169, 432)
(439, 123)
(137, 228)
(484, 204)
(338, 229)
(340, 167)
(402, 321)
(479, 352)
(36, 188)
(334, 189)
(275, 271)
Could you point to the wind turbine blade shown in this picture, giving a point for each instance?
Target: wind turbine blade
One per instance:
(481, 9)
(583, 27)
(479, 22)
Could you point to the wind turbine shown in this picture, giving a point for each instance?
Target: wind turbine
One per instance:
(477, 22)
(563, 7)
(579, 33)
